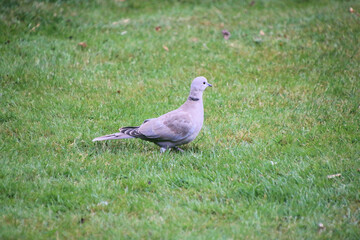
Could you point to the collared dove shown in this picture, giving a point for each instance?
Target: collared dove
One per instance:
(174, 128)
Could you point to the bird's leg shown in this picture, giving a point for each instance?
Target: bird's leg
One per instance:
(178, 149)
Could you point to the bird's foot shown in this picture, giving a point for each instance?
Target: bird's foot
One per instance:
(178, 149)
(162, 150)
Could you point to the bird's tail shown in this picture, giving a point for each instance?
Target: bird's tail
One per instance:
(131, 131)
(125, 132)
(112, 136)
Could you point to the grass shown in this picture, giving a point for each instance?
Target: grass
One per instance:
(283, 115)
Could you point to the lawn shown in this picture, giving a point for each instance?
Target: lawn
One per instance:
(282, 119)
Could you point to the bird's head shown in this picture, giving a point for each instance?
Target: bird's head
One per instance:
(200, 84)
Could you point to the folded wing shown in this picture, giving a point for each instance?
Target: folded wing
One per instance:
(174, 127)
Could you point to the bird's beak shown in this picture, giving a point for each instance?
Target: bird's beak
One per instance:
(209, 84)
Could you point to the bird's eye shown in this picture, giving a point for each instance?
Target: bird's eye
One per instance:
(203, 82)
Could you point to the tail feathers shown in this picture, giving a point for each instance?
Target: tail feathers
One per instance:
(131, 131)
(112, 136)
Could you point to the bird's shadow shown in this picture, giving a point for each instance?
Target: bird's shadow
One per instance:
(191, 149)
(117, 147)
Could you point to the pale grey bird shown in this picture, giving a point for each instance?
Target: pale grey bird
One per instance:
(174, 128)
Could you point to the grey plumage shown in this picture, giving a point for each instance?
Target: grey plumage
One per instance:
(174, 128)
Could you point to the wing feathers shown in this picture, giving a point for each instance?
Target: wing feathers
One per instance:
(173, 127)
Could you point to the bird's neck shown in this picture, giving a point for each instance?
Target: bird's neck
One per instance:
(194, 103)
(195, 96)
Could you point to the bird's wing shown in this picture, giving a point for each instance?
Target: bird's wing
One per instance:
(174, 126)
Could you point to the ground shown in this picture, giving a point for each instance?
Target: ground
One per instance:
(282, 119)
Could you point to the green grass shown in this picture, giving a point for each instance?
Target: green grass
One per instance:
(284, 113)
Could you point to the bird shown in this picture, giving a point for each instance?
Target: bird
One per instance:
(173, 129)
